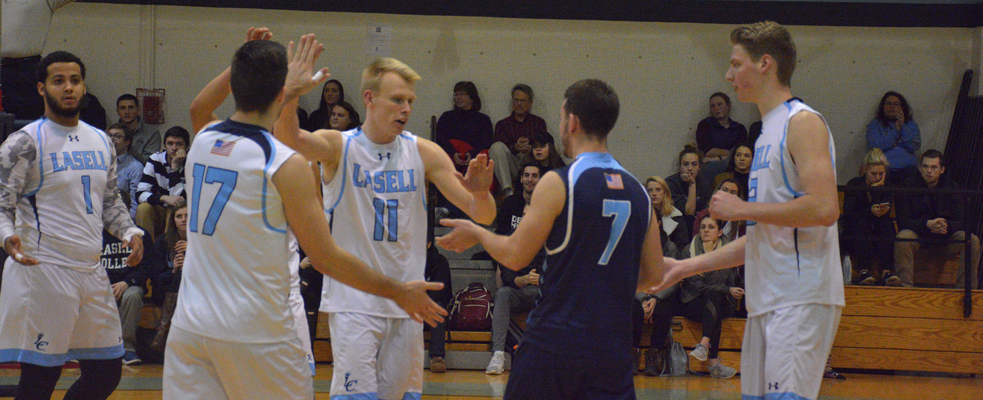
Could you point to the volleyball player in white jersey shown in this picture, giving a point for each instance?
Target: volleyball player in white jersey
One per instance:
(374, 181)
(233, 333)
(57, 193)
(794, 282)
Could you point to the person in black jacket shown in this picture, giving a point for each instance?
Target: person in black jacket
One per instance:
(935, 217)
(868, 228)
(438, 270)
(519, 288)
(129, 285)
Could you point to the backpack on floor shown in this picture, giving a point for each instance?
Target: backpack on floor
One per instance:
(471, 309)
(678, 360)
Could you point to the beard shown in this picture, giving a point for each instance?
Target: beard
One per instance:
(58, 109)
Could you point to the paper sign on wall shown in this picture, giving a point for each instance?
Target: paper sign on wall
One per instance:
(378, 40)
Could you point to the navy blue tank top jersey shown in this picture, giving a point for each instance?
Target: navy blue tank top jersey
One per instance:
(593, 254)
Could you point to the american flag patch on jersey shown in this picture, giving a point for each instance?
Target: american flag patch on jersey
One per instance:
(222, 148)
(614, 181)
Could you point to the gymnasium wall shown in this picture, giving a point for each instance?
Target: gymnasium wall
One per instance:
(663, 72)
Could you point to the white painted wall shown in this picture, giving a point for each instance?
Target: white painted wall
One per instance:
(663, 72)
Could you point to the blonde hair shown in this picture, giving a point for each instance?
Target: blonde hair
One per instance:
(769, 38)
(372, 75)
(666, 206)
(873, 158)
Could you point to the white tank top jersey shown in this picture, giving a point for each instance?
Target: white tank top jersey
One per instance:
(59, 217)
(787, 266)
(236, 277)
(377, 205)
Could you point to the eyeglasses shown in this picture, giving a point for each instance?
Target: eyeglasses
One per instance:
(521, 101)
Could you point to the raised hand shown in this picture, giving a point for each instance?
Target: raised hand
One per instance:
(480, 174)
(725, 206)
(418, 305)
(300, 71)
(258, 34)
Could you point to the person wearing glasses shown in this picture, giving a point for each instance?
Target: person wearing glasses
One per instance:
(513, 138)
(129, 171)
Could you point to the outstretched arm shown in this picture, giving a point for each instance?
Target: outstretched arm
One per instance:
(516, 251)
(324, 145)
(818, 205)
(469, 192)
(306, 219)
(729, 256)
(651, 269)
(215, 92)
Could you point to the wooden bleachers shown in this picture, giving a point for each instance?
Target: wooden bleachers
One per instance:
(907, 329)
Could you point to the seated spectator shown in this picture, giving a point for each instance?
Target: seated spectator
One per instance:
(166, 260)
(707, 298)
(438, 270)
(895, 132)
(731, 229)
(936, 217)
(162, 185)
(464, 132)
(671, 219)
(513, 136)
(645, 304)
(92, 111)
(717, 134)
(519, 288)
(738, 166)
(691, 190)
(753, 132)
(332, 93)
(544, 152)
(868, 228)
(146, 138)
(344, 117)
(128, 284)
(129, 171)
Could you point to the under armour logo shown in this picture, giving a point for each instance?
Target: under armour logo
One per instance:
(73, 138)
(39, 344)
(388, 156)
(773, 386)
(349, 385)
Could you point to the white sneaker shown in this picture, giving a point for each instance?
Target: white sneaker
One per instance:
(497, 364)
(700, 352)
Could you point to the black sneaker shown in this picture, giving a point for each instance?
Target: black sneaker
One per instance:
(865, 279)
(889, 279)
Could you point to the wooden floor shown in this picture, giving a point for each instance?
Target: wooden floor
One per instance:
(143, 383)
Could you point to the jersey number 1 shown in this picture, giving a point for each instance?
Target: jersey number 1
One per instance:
(620, 210)
(210, 175)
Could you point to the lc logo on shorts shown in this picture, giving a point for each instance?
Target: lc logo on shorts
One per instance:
(350, 385)
(39, 344)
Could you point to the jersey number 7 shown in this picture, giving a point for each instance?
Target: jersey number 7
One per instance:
(620, 210)
(210, 175)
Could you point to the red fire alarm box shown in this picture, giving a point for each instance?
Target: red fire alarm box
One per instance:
(151, 105)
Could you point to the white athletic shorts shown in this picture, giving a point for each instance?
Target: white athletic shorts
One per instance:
(198, 367)
(51, 314)
(375, 357)
(784, 351)
(296, 302)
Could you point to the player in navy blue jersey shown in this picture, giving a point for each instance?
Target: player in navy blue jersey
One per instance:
(602, 244)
